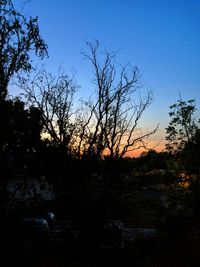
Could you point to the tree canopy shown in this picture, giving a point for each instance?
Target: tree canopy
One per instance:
(19, 37)
(183, 125)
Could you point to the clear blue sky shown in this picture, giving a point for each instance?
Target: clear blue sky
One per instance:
(161, 37)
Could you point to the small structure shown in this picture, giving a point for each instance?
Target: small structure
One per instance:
(25, 189)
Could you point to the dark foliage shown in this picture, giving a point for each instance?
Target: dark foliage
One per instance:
(19, 36)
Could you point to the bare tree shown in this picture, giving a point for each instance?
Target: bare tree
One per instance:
(53, 95)
(110, 125)
(107, 124)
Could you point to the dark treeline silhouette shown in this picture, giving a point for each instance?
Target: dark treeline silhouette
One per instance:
(80, 149)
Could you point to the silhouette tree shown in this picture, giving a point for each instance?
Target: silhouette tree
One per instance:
(184, 143)
(53, 97)
(105, 125)
(183, 125)
(20, 127)
(19, 36)
(110, 124)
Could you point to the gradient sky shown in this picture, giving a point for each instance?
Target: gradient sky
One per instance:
(161, 37)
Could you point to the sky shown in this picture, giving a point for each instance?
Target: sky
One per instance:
(160, 37)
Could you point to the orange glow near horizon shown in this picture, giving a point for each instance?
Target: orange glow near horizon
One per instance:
(136, 153)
